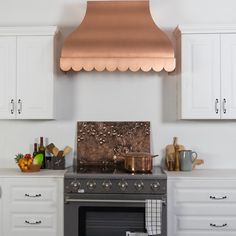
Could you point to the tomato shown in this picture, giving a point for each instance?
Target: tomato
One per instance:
(27, 156)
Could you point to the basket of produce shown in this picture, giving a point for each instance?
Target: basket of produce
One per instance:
(27, 163)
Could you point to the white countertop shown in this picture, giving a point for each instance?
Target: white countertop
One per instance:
(203, 174)
(16, 172)
(195, 174)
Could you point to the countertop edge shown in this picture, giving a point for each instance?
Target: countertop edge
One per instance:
(229, 174)
(15, 172)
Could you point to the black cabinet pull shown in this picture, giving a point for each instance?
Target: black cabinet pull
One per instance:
(12, 106)
(36, 195)
(218, 198)
(33, 223)
(20, 106)
(218, 226)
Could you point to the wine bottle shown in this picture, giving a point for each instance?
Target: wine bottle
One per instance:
(42, 150)
(35, 150)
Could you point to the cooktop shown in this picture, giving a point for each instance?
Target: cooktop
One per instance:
(100, 171)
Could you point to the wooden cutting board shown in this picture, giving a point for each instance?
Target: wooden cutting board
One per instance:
(170, 151)
(197, 162)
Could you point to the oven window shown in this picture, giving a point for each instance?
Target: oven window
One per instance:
(111, 221)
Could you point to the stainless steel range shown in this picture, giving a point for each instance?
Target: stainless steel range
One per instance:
(104, 200)
(100, 197)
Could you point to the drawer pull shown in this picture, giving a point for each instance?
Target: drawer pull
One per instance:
(218, 226)
(218, 198)
(36, 195)
(33, 223)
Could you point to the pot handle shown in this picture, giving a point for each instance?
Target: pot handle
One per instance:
(118, 158)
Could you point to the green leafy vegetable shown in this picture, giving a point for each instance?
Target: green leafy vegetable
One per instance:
(38, 159)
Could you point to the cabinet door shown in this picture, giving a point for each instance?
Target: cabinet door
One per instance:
(35, 77)
(228, 76)
(1, 213)
(201, 207)
(200, 81)
(33, 206)
(7, 77)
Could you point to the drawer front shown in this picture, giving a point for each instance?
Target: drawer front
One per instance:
(1, 211)
(33, 224)
(210, 225)
(33, 190)
(32, 193)
(213, 191)
(35, 195)
(205, 196)
(203, 233)
(192, 209)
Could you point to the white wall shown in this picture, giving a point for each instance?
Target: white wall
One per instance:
(120, 96)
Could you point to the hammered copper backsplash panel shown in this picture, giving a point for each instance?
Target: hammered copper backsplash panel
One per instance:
(99, 141)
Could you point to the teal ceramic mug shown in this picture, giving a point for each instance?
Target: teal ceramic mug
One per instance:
(187, 157)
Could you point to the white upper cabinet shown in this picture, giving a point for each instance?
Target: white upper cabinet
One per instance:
(7, 77)
(200, 76)
(228, 75)
(207, 72)
(26, 73)
(35, 77)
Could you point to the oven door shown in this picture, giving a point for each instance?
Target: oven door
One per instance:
(106, 216)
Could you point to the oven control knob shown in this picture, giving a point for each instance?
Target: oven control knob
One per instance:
(107, 185)
(155, 186)
(139, 185)
(123, 185)
(75, 185)
(91, 185)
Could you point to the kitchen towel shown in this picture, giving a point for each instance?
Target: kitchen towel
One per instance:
(153, 213)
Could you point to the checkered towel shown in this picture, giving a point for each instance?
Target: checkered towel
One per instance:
(153, 212)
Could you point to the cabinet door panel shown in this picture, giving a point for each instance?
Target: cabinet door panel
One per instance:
(228, 76)
(1, 213)
(23, 209)
(208, 191)
(7, 77)
(209, 223)
(192, 211)
(35, 77)
(200, 84)
(37, 224)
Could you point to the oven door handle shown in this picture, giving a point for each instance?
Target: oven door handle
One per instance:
(68, 200)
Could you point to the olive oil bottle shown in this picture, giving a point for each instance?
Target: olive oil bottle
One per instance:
(42, 150)
(35, 150)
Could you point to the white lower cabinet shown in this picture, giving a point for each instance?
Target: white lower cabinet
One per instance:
(33, 206)
(201, 207)
(1, 213)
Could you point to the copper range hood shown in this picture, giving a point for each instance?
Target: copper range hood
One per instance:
(117, 35)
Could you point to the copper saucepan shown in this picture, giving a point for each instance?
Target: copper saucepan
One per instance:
(137, 162)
